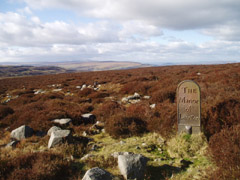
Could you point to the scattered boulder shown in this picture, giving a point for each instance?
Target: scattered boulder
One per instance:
(97, 174)
(58, 137)
(132, 99)
(125, 100)
(22, 132)
(88, 118)
(146, 97)
(40, 91)
(64, 121)
(132, 166)
(52, 129)
(56, 90)
(83, 87)
(152, 106)
(84, 133)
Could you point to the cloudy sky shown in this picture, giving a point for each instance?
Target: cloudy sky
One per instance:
(146, 31)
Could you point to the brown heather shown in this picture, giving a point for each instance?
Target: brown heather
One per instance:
(220, 95)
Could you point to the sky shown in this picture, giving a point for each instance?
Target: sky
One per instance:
(145, 31)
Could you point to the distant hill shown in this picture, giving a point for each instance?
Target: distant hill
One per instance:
(99, 65)
(44, 68)
(14, 71)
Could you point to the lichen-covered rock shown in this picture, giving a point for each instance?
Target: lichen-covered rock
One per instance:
(132, 166)
(97, 174)
(58, 137)
(22, 132)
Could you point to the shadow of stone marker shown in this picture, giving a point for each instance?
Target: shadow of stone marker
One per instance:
(189, 107)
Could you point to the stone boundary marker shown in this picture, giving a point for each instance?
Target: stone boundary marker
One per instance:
(189, 107)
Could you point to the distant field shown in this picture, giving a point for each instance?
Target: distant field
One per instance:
(99, 66)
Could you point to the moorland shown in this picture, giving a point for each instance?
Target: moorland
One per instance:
(146, 125)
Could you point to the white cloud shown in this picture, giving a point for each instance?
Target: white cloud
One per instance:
(122, 30)
(18, 30)
(181, 14)
(206, 15)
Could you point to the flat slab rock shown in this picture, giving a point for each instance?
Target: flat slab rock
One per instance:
(64, 121)
(132, 166)
(22, 132)
(97, 174)
(58, 137)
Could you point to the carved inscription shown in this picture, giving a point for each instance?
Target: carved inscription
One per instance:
(189, 105)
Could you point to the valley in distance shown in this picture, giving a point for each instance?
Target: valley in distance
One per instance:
(43, 68)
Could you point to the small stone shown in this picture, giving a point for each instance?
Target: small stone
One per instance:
(122, 142)
(146, 97)
(64, 121)
(152, 106)
(87, 156)
(84, 133)
(84, 86)
(97, 174)
(56, 90)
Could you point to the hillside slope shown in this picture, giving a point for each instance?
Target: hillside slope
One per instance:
(37, 100)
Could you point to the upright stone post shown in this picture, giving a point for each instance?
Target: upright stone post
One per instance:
(189, 107)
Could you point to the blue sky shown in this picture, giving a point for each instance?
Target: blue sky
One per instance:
(153, 31)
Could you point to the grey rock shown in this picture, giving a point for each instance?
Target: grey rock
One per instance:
(83, 87)
(52, 129)
(146, 97)
(134, 101)
(132, 166)
(56, 90)
(122, 142)
(64, 121)
(22, 132)
(58, 137)
(84, 133)
(87, 156)
(97, 174)
(152, 106)
(125, 100)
